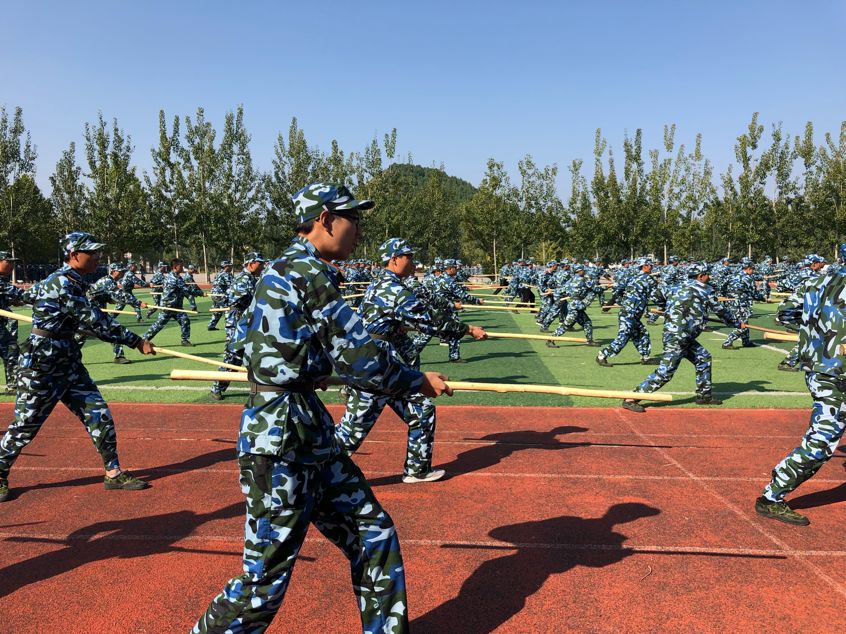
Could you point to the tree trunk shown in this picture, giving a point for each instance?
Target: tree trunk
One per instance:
(205, 259)
(495, 267)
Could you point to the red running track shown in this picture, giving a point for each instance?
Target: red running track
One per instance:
(551, 520)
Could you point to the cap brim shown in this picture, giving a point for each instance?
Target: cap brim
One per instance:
(355, 205)
(92, 246)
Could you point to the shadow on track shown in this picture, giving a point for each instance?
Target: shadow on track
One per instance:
(497, 590)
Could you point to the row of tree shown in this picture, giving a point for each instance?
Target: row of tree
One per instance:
(203, 198)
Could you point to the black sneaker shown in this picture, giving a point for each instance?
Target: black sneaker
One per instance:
(708, 400)
(210, 329)
(750, 344)
(727, 346)
(457, 361)
(216, 396)
(600, 360)
(122, 360)
(634, 406)
(786, 367)
(648, 361)
(187, 343)
(126, 481)
(551, 344)
(592, 343)
(780, 511)
(4, 489)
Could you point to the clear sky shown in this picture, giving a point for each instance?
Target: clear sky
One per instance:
(461, 81)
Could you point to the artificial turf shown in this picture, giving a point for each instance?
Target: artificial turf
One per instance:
(742, 377)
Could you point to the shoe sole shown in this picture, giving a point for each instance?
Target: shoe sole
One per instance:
(415, 479)
(782, 518)
(119, 487)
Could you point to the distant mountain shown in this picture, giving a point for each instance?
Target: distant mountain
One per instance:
(414, 177)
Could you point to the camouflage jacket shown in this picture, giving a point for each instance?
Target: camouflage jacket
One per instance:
(222, 281)
(61, 307)
(546, 281)
(131, 280)
(621, 279)
(175, 290)
(581, 290)
(636, 296)
(742, 289)
(11, 295)
(239, 296)
(106, 290)
(157, 279)
(687, 311)
(455, 291)
(818, 307)
(296, 330)
(389, 309)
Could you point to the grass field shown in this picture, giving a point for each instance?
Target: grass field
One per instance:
(742, 377)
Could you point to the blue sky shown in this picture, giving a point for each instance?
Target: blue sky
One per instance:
(461, 81)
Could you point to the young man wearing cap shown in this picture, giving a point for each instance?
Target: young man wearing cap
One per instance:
(687, 312)
(238, 298)
(635, 298)
(188, 276)
(297, 330)
(817, 308)
(741, 288)
(220, 285)
(51, 367)
(389, 310)
(10, 295)
(808, 275)
(156, 283)
(580, 292)
(174, 291)
(456, 294)
(546, 287)
(130, 280)
(106, 290)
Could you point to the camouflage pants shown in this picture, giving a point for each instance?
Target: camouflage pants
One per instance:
(282, 500)
(134, 302)
(629, 329)
(674, 351)
(418, 412)
(164, 317)
(559, 310)
(215, 317)
(743, 313)
(81, 339)
(230, 355)
(51, 371)
(9, 349)
(546, 307)
(454, 344)
(576, 316)
(420, 341)
(792, 358)
(828, 420)
(192, 302)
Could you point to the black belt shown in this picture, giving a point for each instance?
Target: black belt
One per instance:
(297, 387)
(52, 335)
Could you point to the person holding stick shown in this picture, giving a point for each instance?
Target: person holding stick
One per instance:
(130, 280)
(106, 290)
(51, 368)
(819, 309)
(220, 285)
(685, 317)
(174, 292)
(238, 299)
(297, 330)
(156, 282)
(742, 290)
(389, 310)
(10, 295)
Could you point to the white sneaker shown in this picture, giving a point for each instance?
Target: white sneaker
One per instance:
(430, 476)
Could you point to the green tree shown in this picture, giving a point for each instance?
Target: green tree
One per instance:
(69, 192)
(164, 186)
(17, 160)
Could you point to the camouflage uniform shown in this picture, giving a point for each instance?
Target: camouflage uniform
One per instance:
(742, 290)
(546, 288)
(51, 368)
(174, 291)
(128, 283)
(581, 293)
(389, 309)
(298, 329)
(188, 276)
(10, 295)
(102, 292)
(156, 282)
(238, 298)
(818, 310)
(638, 290)
(220, 286)
(454, 293)
(686, 313)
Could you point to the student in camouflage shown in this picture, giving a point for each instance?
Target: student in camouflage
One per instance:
(174, 291)
(238, 298)
(51, 367)
(546, 288)
(389, 310)
(635, 298)
(819, 309)
(10, 295)
(298, 329)
(742, 290)
(810, 273)
(156, 282)
(580, 292)
(455, 293)
(130, 280)
(220, 286)
(686, 313)
(106, 290)
(190, 282)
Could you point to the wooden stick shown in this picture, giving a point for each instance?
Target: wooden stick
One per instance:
(220, 310)
(486, 307)
(772, 330)
(786, 336)
(193, 357)
(520, 335)
(176, 310)
(354, 295)
(11, 315)
(195, 375)
(112, 311)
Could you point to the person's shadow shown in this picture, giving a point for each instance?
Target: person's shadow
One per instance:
(497, 590)
(821, 498)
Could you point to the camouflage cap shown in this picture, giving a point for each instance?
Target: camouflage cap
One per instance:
(394, 247)
(254, 256)
(841, 251)
(644, 261)
(578, 267)
(696, 269)
(116, 266)
(192, 267)
(551, 263)
(450, 263)
(673, 258)
(225, 263)
(746, 262)
(813, 258)
(314, 198)
(162, 265)
(80, 241)
(6, 256)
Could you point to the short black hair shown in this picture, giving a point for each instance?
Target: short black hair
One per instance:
(306, 226)
(175, 261)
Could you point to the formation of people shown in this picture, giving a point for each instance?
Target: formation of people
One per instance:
(293, 321)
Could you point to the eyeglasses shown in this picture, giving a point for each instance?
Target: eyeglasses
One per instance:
(353, 218)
